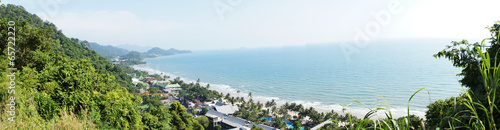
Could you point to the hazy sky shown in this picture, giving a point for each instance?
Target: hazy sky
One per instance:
(226, 24)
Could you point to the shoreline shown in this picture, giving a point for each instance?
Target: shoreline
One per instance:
(318, 106)
(145, 63)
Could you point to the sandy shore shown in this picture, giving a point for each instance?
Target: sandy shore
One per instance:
(358, 112)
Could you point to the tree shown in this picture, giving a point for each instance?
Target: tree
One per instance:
(140, 85)
(250, 94)
(181, 119)
(255, 127)
(329, 126)
(227, 96)
(203, 120)
(439, 112)
(297, 125)
(218, 127)
(413, 120)
(157, 118)
(60, 79)
(465, 55)
(204, 110)
(195, 112)
(279, 123)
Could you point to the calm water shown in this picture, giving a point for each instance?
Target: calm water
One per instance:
(322, 76)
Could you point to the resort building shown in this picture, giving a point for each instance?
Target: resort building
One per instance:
(230, 122)
(226, 109)
(161, 84)
(213, 104)
(172, 88)
(322, 124)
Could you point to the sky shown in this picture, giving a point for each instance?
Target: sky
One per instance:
(230, 24)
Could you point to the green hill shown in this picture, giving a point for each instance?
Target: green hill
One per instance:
(108, 51)
(62, 84)
(132, 47)
(156, 51)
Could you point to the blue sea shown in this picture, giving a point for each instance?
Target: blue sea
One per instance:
(323, 76)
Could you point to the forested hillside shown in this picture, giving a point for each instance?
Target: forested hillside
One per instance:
(60, 83)
(107, 51)
(156, 51)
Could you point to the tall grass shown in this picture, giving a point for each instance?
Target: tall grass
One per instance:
(488, 109)
(67, 121)
(479, 114)
(387, 123)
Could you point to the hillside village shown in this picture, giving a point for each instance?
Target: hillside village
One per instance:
(224, 111)
(220, 111)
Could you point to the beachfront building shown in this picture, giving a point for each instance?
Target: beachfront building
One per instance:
(226, 109)
(149, 80)
(172, 88)
(230, 122)
(161, 84)
(322, 124)
(213, 104)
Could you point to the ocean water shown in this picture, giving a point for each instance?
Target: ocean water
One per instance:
(322, 76)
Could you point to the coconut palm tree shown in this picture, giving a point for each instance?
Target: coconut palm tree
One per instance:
(232, 100)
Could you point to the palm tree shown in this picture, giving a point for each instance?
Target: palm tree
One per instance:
(279, 123)
(273, 109)
(228, 96)
(250, 94)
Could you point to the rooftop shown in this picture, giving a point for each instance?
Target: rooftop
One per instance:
(173, 86)
(322, 124)
(226, 109)
(235, 121)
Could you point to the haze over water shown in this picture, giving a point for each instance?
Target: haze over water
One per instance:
(322, 76)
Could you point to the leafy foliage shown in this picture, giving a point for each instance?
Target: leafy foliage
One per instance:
(480, 75)
(196, 91)
(182, 120)
(442, 113)
(60, 81)
(203, 120)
